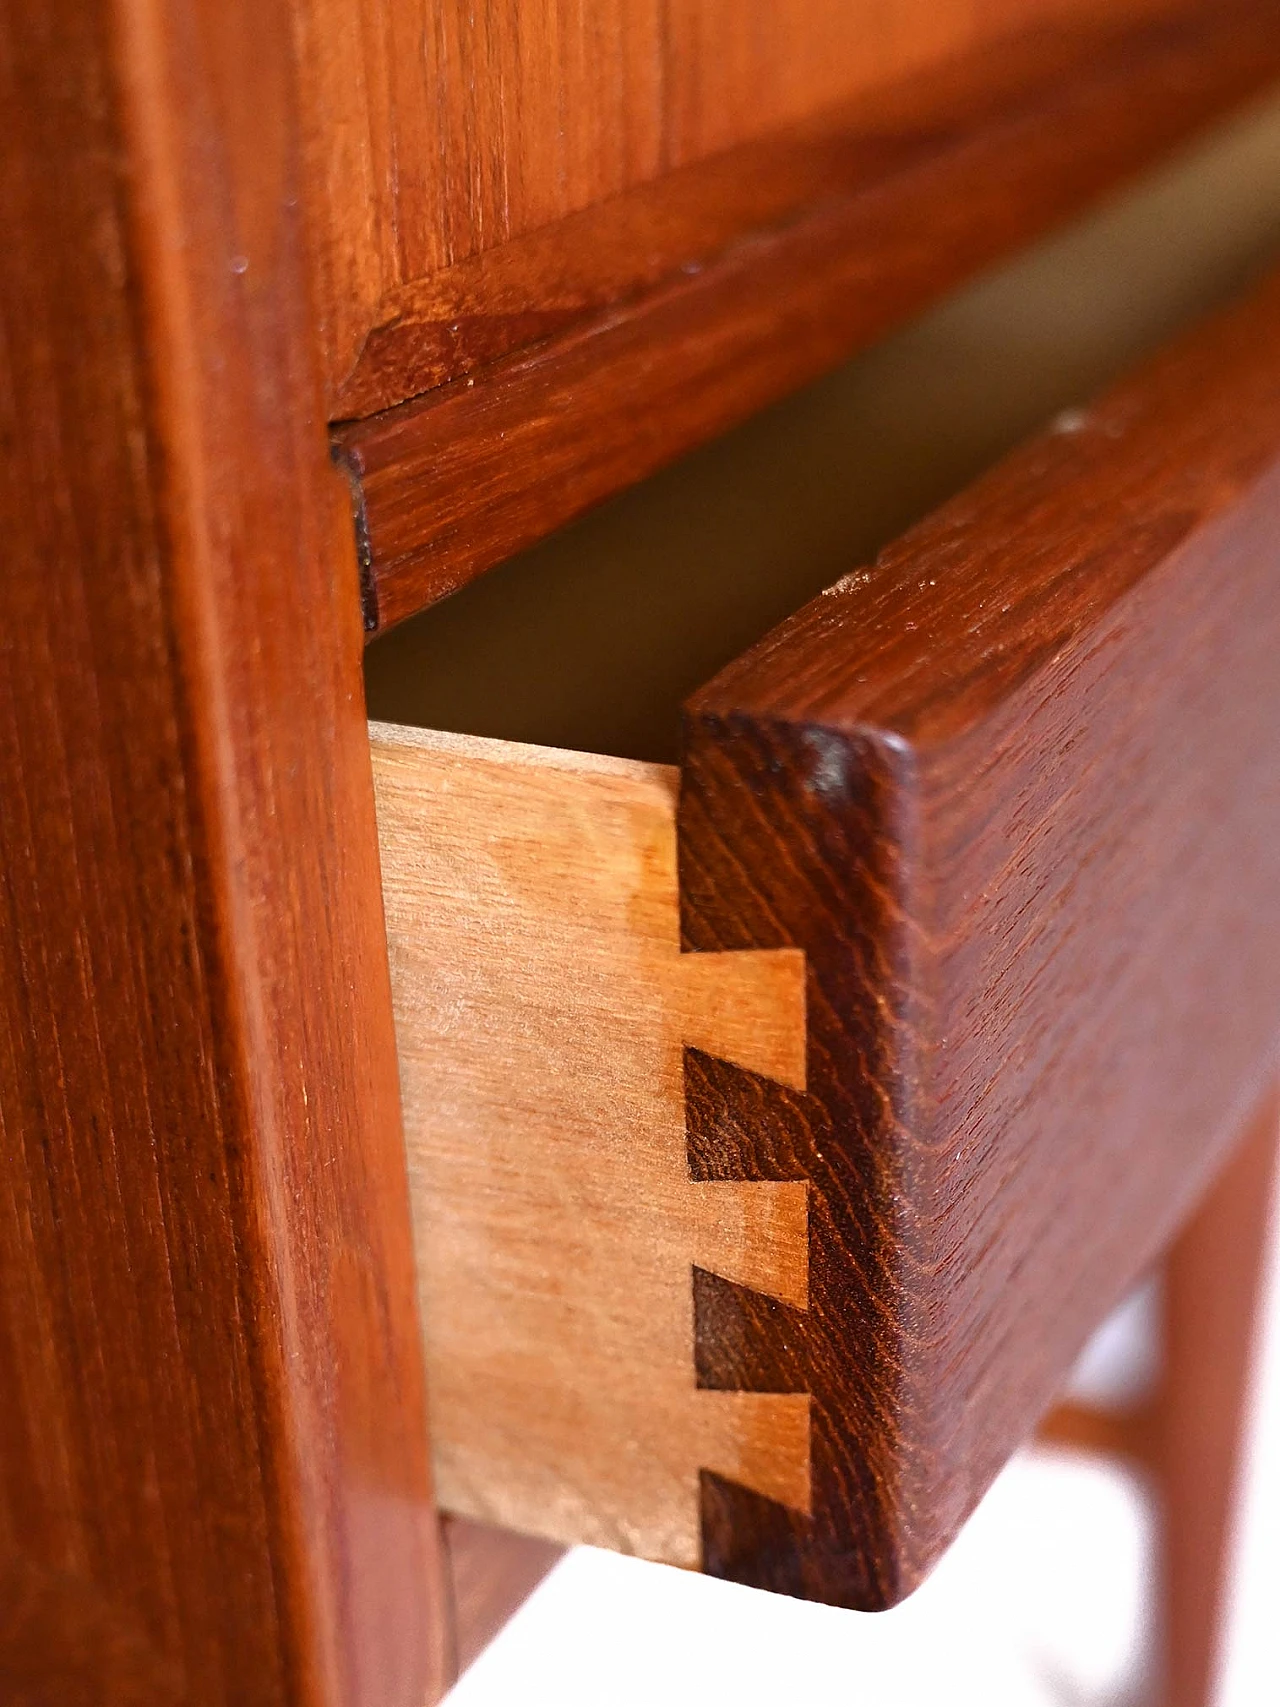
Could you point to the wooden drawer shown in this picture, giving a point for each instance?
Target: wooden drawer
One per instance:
(922, 1011)
(781, 1125)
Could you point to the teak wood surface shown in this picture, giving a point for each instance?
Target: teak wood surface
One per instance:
(1214, 1288)
(480, 176)
(792, 251)
(1014, 790)
(214, 1480)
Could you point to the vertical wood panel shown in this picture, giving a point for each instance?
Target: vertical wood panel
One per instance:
(214, 1486)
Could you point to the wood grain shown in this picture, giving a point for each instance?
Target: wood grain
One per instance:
(444, 136)
(1014, 790)
(542, 1008)
(214, 1486)
(811, 244)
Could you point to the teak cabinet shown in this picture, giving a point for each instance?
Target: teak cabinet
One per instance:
(725, 1161)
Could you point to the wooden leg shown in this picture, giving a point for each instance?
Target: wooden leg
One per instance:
(1107, 1434)
(1188, 1438)
(1212, 1291)
(491, 1572)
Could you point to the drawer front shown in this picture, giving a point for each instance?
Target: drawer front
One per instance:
(555, 368)
(481, 176)
(765, 1255)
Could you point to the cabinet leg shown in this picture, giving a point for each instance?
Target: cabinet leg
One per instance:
(1212, 1293)
(491, 1573)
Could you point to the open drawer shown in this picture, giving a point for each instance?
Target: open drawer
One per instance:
(780, 1126)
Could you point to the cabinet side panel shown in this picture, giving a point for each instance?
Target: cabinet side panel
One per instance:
(214, 1485)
